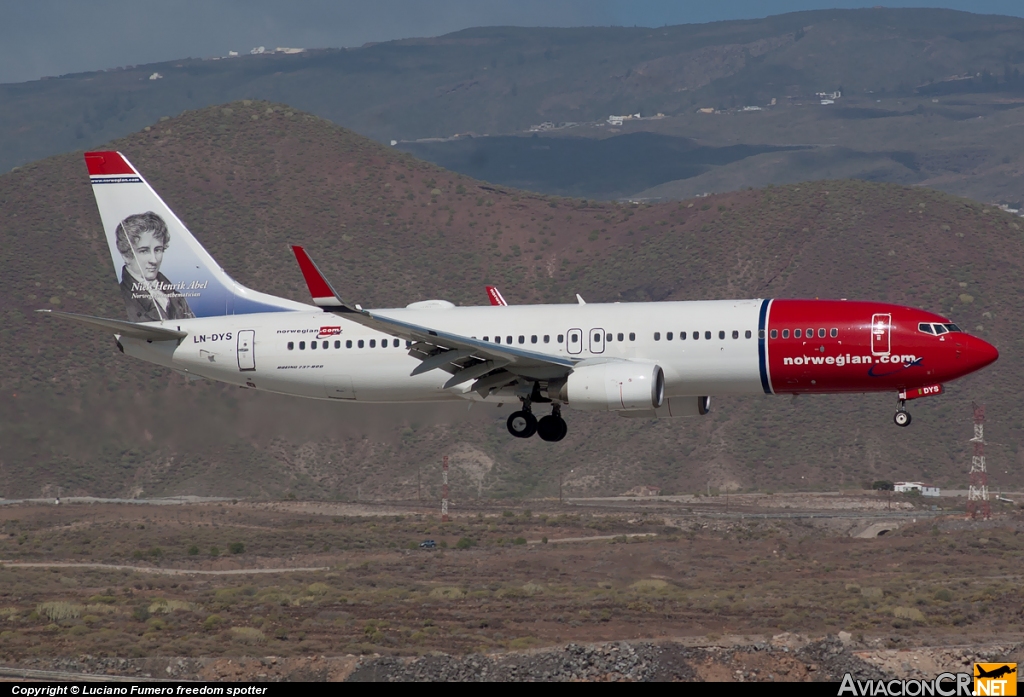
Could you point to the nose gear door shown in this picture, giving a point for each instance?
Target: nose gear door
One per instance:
(597, 341)
(881, 329)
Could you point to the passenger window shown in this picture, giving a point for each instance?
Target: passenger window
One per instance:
(497, 339)
(312, 345)
(302, 345)
(821, 333)
(361, 344)
(721, 335)
(668, 336)
(736, 334)
(810, 334)
(408, 343)
(833, 332)
(785, 333)
(533, 339)
(707, 336)
(682, 336)
(657, 336)
(522, 339)
(696, 335)
(373, 343)
(796, 334)
(561, 338)
(487, 338)
(620, 336)
(348, 343)
(325, 345)
(508, 340)
(632, 336)
(940, 329)
(608, 336)
(573, 338)
(775, 334)
(394, 343)
(597, 338)
(337, 344)
(547, 338)
(747, 334)
(291, 345)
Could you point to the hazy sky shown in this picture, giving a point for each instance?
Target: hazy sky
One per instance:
(53, 37)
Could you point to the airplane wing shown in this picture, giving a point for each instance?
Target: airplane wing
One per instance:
(118, 326)
(490, 365)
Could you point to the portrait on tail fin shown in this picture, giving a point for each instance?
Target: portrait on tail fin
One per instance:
(148, 295)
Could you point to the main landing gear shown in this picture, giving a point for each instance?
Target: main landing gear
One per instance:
(551, 428)
(902, 417)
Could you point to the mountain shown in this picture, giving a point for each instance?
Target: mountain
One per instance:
(250, 177)
(889, 64)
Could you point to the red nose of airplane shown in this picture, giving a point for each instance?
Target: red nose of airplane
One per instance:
(980, 353)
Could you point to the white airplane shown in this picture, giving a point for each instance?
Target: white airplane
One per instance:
(636, 359)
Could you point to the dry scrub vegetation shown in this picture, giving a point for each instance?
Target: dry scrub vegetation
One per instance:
(934, 581)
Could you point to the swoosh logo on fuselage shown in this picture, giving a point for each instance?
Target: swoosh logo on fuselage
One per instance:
(872, 373)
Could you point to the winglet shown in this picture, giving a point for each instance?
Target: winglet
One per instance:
(319, 287)
(494, 295)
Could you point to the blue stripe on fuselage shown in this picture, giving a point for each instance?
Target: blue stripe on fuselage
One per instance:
(762, 346)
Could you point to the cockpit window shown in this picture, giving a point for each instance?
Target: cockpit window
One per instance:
(953, 328)
(940, 329)
(925, 327)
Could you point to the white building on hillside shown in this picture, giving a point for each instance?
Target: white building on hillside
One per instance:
(923, 489)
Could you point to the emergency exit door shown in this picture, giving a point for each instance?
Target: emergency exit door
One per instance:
(881, 329)
(246, 356)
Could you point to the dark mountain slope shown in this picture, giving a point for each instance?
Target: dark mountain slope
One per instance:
(250, 178)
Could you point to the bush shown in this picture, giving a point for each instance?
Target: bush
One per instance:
(465, 543)
(214, 551)
(882, 485)
(519, 541)
(236, 548)
(193, 550)
(212, 622)
(59, 610)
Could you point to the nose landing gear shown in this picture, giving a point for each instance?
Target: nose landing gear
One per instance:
(902, 417)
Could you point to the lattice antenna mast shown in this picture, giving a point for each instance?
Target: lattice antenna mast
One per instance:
(977, 493)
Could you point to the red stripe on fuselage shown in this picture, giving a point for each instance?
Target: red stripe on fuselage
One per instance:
(876, 347)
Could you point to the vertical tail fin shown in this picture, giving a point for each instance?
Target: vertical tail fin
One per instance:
(165, 274)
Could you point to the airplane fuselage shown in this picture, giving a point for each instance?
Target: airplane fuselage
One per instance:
(720, 347)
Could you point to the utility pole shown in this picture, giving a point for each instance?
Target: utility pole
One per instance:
(444, 492)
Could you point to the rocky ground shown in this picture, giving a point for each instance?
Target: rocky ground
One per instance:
(784, 658)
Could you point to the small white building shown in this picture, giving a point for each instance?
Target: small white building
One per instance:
(923, 489)
(156, 76)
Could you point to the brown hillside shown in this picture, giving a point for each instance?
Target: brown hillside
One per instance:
(251, 177)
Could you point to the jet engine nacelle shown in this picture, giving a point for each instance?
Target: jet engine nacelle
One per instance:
(615, 386)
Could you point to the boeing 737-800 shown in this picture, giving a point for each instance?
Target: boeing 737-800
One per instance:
(659, 359)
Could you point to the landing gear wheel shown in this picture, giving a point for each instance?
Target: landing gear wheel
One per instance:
(902, 418)
(552, 428)
(522, 424)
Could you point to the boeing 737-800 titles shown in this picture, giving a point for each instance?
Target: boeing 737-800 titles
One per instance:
(637, 359)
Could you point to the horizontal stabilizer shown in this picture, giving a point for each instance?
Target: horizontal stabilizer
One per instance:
(118, 326)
